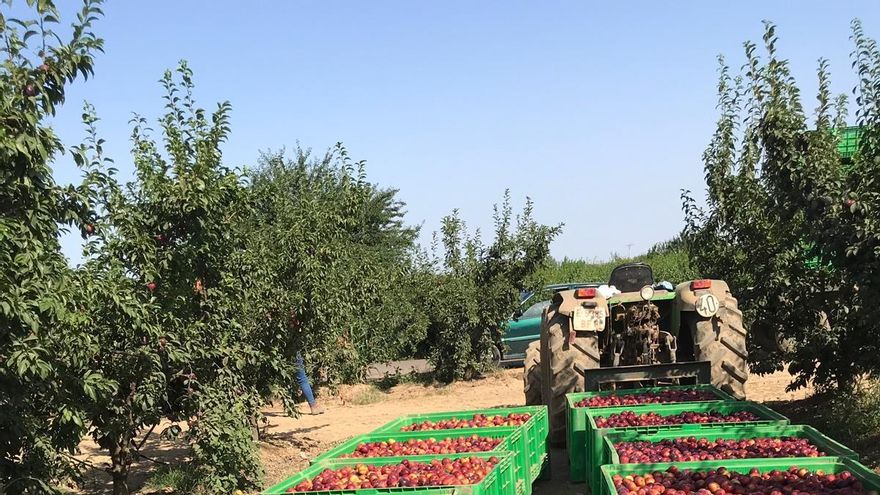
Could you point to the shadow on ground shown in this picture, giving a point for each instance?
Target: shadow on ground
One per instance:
(392, 380)
(558, 483)
(98, 481)
(293, 438)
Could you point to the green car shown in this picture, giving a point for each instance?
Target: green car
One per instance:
(524, 327)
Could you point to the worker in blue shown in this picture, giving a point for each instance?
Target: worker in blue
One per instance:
(305, 387)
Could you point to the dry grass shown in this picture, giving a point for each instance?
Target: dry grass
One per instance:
(369, 395)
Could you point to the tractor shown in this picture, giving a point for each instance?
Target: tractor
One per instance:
(633, 333)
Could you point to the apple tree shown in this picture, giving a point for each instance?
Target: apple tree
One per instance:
(170, 313)
(336, 254)
(472, 289)
(44, 349)
(790, 223)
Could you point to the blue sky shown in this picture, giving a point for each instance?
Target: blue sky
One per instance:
(598, 111)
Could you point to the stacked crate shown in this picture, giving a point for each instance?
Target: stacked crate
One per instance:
(756, 444)
(521, 451)
(576, 430)
(868, 480)
(533, 449)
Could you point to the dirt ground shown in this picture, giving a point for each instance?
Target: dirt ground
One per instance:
(291, 443)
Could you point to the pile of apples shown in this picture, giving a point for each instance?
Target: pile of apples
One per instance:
(630, 418)
(438, 472)
(427, 446)
(794, 481)
(694, 449)
(670, 395)
(477, 421)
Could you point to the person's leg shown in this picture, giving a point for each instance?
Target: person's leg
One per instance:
(305, 387)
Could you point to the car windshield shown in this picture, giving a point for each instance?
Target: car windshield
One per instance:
(535, 310)
(546, 293)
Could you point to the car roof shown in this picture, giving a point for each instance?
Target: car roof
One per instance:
(569, 286)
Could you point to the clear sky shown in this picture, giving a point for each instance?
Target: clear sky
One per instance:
(597, 110)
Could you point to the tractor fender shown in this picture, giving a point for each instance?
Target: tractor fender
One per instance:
(686, 299)
(567, 303)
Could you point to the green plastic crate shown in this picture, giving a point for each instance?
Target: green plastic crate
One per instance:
(577, 420)
(513, 441)
(595, 446)
(869, 479)
(499, 481)
(848, 141)
(535, 430)
(830, 447)
(416, 491)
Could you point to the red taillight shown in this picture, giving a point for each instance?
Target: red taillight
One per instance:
(701, 284)
(585, 293)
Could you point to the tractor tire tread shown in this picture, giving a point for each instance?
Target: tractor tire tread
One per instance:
(532, 375)
(559, 363)
(722, 341)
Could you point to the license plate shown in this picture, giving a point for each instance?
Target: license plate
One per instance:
(588, 319)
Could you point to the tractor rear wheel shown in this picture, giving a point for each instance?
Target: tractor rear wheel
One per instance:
(560, 361)
(532, 374)
(722, 341)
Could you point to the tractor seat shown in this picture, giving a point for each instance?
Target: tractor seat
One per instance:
(631, 277)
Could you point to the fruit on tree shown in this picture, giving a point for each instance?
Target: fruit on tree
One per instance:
(437, 472)
(701, 449)
(427, 446)
(663, 396)
(629, 418)
(151, 286)
(721, 481)
(477, 421)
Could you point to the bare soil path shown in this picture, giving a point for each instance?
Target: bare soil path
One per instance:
(291, 443)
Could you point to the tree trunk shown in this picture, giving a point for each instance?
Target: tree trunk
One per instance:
(120, 458)
(255, 429)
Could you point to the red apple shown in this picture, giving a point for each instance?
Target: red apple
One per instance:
(438, 472)
(629, 418)
(477, 421)
(622, 398)
(723, 482)
(693, 449)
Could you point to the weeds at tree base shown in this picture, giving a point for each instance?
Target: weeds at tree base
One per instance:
(370, 395)
(391, 380)
(176, 478)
